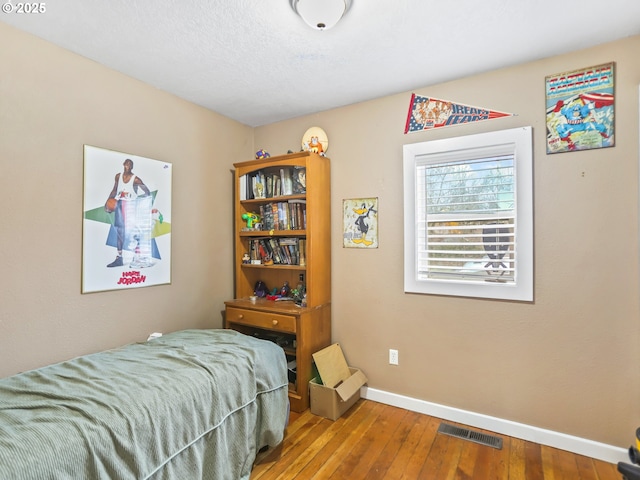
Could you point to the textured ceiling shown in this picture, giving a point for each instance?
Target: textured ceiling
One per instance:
(257, 62)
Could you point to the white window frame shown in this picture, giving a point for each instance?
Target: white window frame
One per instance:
(517, 140)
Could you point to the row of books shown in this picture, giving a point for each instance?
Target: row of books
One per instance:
(291, 215)
(280, 251)
(273, 182)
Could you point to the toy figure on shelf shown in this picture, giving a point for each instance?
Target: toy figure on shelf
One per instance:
(262, 154)
(260, 290)
(251, 218)
(283, 294)
(315, 140)
(285, 290)
(315, 146)
(246, 258)
(299, 293)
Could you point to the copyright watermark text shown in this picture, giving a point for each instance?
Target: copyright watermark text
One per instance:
(24, 8)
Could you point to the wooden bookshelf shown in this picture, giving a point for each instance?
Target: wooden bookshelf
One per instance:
(300, 330)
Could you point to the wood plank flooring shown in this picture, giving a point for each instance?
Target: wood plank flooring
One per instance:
(376, 441)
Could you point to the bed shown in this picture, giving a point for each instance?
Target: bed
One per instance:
(194, 404)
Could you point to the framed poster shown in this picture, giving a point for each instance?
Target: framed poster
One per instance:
(580, 109)
(126, 226)
(360, 227)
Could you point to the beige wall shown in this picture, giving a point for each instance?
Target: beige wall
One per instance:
(566, 362)
(51, 103)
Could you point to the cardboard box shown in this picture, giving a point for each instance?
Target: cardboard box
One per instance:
(338, 387)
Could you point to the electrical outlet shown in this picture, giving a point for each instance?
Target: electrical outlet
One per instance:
(393, 357)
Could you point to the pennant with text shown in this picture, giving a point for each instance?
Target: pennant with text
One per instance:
(426, 113)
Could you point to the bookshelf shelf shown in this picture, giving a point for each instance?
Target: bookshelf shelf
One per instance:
(276, 233)
(299, 221)
(277, 267)
(280, 198)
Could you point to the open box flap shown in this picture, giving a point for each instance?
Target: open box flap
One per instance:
(351, 385)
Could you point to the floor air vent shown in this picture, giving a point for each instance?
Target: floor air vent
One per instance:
(465, 433)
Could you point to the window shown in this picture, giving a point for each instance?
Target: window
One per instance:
(468, 216)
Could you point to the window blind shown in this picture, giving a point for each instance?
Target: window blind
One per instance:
(466, 217)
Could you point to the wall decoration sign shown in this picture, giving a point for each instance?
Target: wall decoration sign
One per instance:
(126, 227)
(360, 228)
(580, 109)
(426, 113)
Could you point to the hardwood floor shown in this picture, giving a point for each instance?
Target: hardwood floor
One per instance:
(377, 441)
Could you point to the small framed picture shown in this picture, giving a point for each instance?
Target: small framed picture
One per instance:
(360, 227)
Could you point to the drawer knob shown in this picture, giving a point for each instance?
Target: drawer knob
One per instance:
(274, 322)
(240, 316)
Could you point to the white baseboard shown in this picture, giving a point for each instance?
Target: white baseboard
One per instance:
(580, 446)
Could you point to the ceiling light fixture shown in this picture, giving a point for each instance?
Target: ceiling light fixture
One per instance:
(320, 14)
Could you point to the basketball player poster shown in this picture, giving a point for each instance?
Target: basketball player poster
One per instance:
(126, 227)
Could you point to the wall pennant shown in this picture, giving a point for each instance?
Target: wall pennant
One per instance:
(426, 113)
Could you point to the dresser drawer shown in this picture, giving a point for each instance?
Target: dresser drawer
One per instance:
(266, 320)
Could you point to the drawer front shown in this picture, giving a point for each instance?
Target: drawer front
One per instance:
(266, 320)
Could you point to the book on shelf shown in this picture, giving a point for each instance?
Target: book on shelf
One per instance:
(272, 183)
(283, 216)
(289, 215)
(266, 248)
(269, 186)
(266, 217)
(280, 251)
(302, 252)
(249, 183)
(277, 189)
(264, 253)
(254, 253)
(275, 249)
(276, 217)
(290, 246)
(298, 209)
(242, 187)
(286, 181)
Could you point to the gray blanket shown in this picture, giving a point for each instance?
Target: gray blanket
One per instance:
(195, 404)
